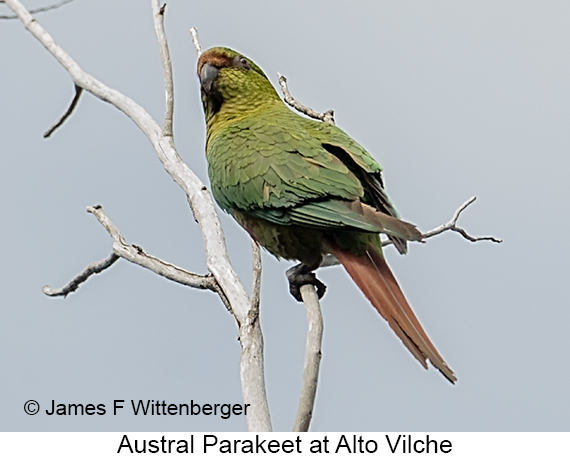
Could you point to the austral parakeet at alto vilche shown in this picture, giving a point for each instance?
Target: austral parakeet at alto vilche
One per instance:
(303, 189)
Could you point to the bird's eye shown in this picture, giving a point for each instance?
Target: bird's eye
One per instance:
(242, 62)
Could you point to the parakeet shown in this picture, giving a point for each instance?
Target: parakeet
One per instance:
(304, 189)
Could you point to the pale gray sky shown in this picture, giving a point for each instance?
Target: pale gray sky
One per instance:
(454, 99)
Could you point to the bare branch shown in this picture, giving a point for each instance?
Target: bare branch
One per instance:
(252, 358)
(251, 339)
(315, 323)
(452, 225)
(136, 255)
(256, 269)
(73, 285)
(327, 116)
(38, 10)
(196, 41)
(199, 197)
(313, 356)
(330, 260)
(252, 372)
(158, 13)
(311, 301)
(251, 364)
(54, 127)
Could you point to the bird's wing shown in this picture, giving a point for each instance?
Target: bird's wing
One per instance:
(290, 170)
(363, 165)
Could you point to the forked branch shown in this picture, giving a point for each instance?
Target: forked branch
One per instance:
(251, 340)
(138, 256)
(309, 294)
(223, 279)
(452, 225)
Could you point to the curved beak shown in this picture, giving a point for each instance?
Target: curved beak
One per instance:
(208, 75)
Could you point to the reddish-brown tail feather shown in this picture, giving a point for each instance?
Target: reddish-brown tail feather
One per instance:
(372, 275)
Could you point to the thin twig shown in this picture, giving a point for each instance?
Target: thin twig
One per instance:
(452, 225)
(313, 357)
(73, 285)
(201, 200)
(251, 364)
(54, 127)
(137, 255)
(311, 300)
(158, 13)
(251, 340)
(315, 324)
(196, 40)
(330, 260)
(327, 116)
(250, 337)
(38, 10)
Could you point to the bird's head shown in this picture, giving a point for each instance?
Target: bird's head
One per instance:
(230, 81)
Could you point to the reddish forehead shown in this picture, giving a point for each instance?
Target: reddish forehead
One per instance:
(215, 58)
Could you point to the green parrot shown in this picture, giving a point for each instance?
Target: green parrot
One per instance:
(304, 189)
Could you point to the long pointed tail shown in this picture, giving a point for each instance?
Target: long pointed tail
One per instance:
(372, 275)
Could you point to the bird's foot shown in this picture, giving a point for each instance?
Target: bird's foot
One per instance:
(301, 275)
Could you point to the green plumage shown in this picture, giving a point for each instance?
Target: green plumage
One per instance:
(302, 189)
(278, 172)
(257, 160)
